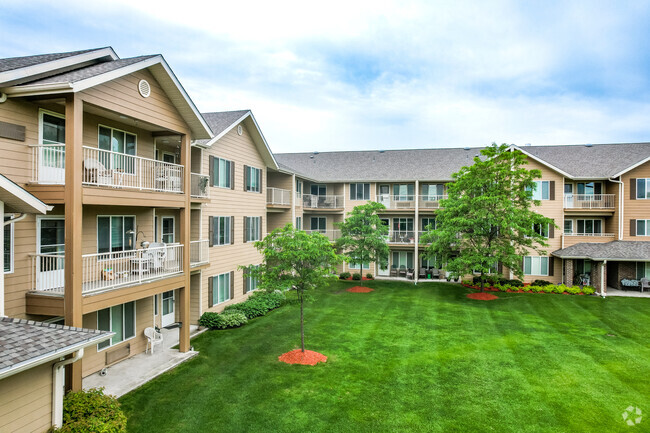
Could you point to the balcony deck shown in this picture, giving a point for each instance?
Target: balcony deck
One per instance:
(589, 202)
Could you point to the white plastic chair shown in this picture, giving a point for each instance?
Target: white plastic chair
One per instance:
(153, 337)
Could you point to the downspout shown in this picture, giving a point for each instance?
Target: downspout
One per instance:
(15, 220)
(2, 242)
(621, 190)
(57, 387)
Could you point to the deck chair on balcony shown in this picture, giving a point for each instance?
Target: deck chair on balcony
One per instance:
(644, 283)
(153, 337)
(157, 254)
(96, 173)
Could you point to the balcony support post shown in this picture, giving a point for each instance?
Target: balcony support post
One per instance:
(185, 217)
(416, 226)
(73, 269)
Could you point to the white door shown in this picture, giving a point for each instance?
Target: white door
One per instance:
(168, 316)
(51, 246)
(383, 272)
(51, 167)
(384, 195)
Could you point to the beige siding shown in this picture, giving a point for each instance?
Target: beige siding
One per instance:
(26, 400)
(16, 155)
(195, 297)
(635, 209)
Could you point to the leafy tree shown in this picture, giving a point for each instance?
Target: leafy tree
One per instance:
(363, 235)
(295, 260)
(487, 218)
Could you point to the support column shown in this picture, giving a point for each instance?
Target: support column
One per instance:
(568, 272)
(416, 226)
(294, 197)
(184, 292)
(73, 225)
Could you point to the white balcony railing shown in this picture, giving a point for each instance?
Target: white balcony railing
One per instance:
(332, 235)
(199, 185)
(107, 271)
(277, 196)
(199, 252)
(397, 201)
(589, 201)
(401, 237)
(430, 201)
(118, 170)
(605, 235)
(311, 201)
(48, 164)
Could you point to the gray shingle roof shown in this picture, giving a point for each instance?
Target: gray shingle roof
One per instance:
(90, 71)
(389, 165)
(26, 61)
(615, 250)
(597, 161)
(24, 340)
(220, 121)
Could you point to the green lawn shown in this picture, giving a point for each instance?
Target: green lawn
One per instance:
(414, 358)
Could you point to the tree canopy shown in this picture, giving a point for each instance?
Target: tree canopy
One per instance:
(487, 218)
(363, 235)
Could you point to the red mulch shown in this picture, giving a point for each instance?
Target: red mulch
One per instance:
(308, 357)
(360, 289)
(482, 296)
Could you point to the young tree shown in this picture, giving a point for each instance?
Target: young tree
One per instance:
(487, 218)
(295, 260)
(363, 235)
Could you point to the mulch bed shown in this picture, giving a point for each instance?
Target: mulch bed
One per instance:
(308, 357)
(360, 289)
(362, 278)
(482, 296)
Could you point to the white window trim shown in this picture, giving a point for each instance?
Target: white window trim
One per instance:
(215, 288)
(363, 187)
(249, 278)
(647, 188)
(358, 267)
(135, 226)
(135, 324)
(42, 111)
(99, 125)
(541, 186)
(249, 229)
(162, 225)
(229, 232)
(532, 258)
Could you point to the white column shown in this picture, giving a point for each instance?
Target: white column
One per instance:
(294, 191)
(416, 226)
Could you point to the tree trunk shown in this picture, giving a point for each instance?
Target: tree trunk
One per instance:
(302, 326)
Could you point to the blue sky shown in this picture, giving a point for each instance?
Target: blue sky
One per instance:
(346, 75)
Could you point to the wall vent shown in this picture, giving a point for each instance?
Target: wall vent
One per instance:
(144, 88)
(240, 130)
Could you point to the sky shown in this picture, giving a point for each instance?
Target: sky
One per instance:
(357, 74)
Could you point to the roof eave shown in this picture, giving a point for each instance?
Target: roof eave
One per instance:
(28, 202)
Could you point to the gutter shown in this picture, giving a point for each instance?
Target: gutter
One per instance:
(38, 89)
(57, 387)
(621, 202)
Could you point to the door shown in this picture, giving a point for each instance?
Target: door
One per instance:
(51, 246)
(384, 195)
(51, 155)
(319, 224)
(568, 195)
(168, 316)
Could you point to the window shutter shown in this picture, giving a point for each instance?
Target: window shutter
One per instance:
(211, 231)
(245, 281)
(551, 190)
(259, 180)
(232, 175)
(500, 268)
(550, 266)
(211, 170)
(246, 175)
(245, 225)
(632, 189)
(551, 231)
(632, 227)
(210, 289)
(260, 228)
(232, 230)
(232, 285)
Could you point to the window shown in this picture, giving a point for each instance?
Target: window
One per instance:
(534, 265)
(252, 228)
(250, 282)
(318, 189)
(643, 188)
(359, 191)
(590, 188)
(319, 224)
(583, 267)
(356, 266)
(221, 230)
(221, 172)
(642, 270)
(167, 230)
(402, 259)
(298, 223)
(432, 192)
(119, 143)
(541, 190)
(568, 188)
(298, 188)
(589, 227)
(428, 222)
(568, 227)
(221, 288)
(643, 227)
(403, 192)
(402, 224)
(253, 179)
(115, 233)
(541, 229)
(429, 263)
(119, 319)
(52, 128)
(8, 247)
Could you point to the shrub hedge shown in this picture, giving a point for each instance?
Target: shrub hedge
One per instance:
(258, 304)
(356, 276)
(369, 276)
(344, 275)
(91, 411)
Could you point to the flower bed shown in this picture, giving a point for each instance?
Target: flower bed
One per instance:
(360, 289)
(297, 356)
(551, 288)
(482, 296)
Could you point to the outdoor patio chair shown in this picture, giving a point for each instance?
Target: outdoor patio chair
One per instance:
(393, 272)
(402, 271)
(422, 274)
(96, 173)
(435, 273)
(410, 273)
(153, 337)
(644, 283)
(157, 254)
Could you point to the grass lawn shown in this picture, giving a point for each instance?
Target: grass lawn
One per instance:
(414, 358)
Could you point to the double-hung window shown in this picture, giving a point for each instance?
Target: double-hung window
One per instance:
(119, 319)
(318, 224)
(403, 192)
(357, 266)
(643, 227)
(221, 172)
(8, 247)
(298, 223)
(119, 149)
(541, 229)
(252, 228)
(643, 188)
(115, 233)
(359, 191)
(541, 190)
(253, 179)
(221, 288)
(535, 265)
(298, 188)
(250, 281)
(221, 230)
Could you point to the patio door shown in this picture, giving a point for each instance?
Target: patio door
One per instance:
(51, 245)
(384, 195)
(51, 155)
(168, 317)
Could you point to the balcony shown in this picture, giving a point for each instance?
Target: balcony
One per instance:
(427, 202)
(278, 197)
(576, 238)
(107, 169)
(332, 235)
(199, 252)
(589, 201)
(108, 271)
(401, 237)
(310, 201)
(199, 185)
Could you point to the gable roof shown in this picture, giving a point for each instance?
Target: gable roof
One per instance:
(25, 343)
(17, 199)
(382, 165)
(87, 74)
(616, 250)
(223, 122)
(597, 161)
